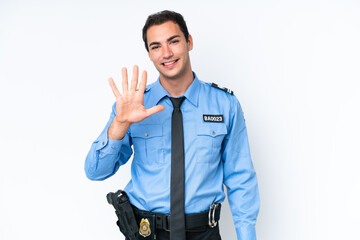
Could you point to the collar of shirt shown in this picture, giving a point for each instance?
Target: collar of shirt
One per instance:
(158, 92)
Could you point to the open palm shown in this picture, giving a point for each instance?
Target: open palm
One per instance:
(130, 104)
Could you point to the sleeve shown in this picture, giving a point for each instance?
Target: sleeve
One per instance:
(240, 177)
(107, 155)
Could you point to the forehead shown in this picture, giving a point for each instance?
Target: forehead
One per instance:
(159, 33)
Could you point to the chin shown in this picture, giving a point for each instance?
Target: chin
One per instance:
(168, 74)
(171, 76)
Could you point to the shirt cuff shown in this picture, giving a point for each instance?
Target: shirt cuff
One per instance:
(246, 232)
(107, 145)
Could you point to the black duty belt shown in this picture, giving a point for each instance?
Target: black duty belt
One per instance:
(196, 220)
(138, 224)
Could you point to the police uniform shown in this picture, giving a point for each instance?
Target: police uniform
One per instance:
(216, 153)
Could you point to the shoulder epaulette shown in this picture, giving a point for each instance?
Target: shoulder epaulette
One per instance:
(222, 88)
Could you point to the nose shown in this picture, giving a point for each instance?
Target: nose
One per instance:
(167, 52)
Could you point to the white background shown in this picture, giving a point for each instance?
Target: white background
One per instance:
(294, 66)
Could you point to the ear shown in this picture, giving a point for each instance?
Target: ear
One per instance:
(190, 43)
(149, 55)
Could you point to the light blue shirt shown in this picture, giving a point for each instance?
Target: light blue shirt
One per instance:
(216, 155)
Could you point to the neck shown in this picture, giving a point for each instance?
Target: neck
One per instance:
(176, 87)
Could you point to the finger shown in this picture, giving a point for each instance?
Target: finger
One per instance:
(142, 85)
(134, 79)
(124, 79)
(155, 109)
(114, 88)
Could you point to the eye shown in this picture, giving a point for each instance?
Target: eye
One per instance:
(154, 47)
(174, 41)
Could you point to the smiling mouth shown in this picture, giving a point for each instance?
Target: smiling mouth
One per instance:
(169, 63)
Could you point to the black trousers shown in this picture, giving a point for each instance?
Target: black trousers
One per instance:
(203, 233)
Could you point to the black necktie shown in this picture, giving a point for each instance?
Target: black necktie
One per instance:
(177, 190)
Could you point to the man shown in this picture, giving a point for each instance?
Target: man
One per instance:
(189, 139)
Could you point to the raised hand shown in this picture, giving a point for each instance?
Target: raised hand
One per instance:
(130, 104)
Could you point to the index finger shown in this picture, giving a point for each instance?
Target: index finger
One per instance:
(142, 85)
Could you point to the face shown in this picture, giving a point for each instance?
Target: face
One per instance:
(169, 51)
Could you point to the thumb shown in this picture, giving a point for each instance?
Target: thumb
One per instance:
(155, 109)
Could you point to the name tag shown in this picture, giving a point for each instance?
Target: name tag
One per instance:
(213, 118)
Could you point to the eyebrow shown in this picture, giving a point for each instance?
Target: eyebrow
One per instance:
(168, 40)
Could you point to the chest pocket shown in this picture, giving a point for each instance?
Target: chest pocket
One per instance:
(209, 140)
(148, 143)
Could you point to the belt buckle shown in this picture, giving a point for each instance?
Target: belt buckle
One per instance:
(212, 222)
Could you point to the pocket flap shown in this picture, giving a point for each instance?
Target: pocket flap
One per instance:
(146, 131)
(214, 129)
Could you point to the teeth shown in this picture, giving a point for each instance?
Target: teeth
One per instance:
(169, 63)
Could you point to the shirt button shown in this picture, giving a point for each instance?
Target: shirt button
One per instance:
(103, 143)
(146, 134)
(213, 133)
(112, 147)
